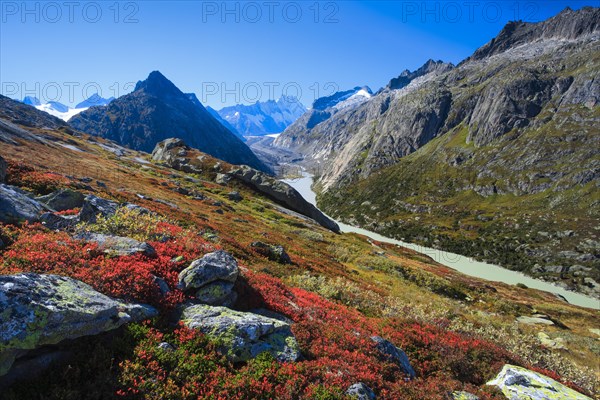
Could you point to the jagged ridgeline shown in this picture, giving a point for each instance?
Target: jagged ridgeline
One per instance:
(495, 158)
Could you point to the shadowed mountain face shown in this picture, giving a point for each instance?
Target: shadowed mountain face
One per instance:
(157, 110)
(447, 158)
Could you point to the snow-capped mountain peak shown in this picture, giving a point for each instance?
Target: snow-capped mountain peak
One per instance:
(65, 112)
(94, 100)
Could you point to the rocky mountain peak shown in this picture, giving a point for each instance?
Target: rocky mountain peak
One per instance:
(567, 25)
(407, 76)
(156, 84)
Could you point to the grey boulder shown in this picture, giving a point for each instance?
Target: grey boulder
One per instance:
(218, 293)
(360, 391)
(117, 245)
(94, 206)
(272, 252)
(40, 310)
(17, 207)
(521, 383)
(242, 336)
(57, 222)
(63, 199)
(216, 266)
(394, 354)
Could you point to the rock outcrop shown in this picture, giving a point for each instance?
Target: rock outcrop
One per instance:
(241, 335)
(282, 193)
(94, 206)
(63, 199)
(521, 383)
(38, 310)
(16, 206)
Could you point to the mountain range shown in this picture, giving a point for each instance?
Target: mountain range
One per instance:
(157, 110)
(445, 156)
(263, 118)
(65, 112)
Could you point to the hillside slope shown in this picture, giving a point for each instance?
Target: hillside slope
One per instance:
(496, 158)
(331, 293)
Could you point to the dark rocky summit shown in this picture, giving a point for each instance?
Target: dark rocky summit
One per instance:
(157, 110)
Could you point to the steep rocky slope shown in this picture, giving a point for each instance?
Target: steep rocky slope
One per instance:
(496, 158)
(157, 110)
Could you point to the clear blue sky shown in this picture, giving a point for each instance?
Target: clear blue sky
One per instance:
(230, 52)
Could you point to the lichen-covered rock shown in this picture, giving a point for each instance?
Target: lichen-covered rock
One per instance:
(394, 354)
(521, 383)
(38, 310)
(463, 396)
(218, 293)
(215, 266)
(360, 391)
(94, 206)
(552, 343)
(63, 199)
(242, 335)
(117, 245)
(273, 252)
(2, 170)
(17, 207)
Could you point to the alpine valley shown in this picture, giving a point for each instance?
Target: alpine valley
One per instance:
(149, 250)
(496, 158)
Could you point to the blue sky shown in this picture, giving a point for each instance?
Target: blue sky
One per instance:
(239, 52)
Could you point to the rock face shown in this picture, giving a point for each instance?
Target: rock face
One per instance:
(40, 310)
(520, 383)
(243, 336)
(360, 391)
(394, 354)
(17, 207)
(211, 279)
(283, 194)
(63, 199)
(94, 206)
(157, 110)
(2, 170)
(117, 245)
